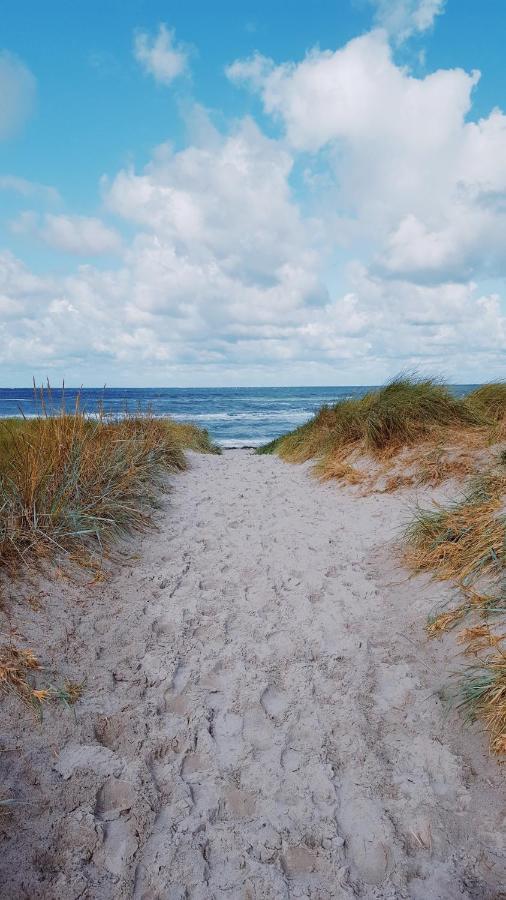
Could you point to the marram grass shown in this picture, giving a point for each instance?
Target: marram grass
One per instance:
(489, 400)
(70, 484)
(68, 481)
(422, 415)
(465, 542)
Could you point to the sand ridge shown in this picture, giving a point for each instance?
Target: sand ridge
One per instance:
(262, 715)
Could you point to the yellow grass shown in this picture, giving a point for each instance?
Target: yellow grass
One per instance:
(412, 431)
(22, 673)
(69, 483)
(466, 542)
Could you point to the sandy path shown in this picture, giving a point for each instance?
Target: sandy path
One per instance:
(271, 727)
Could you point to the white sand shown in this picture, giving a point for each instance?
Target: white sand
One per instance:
(262, 715)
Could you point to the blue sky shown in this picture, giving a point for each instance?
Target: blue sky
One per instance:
(254, 193)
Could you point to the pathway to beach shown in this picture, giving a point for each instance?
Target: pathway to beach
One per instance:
(262, 715)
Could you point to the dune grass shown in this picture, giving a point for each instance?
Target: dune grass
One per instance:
(465, 542)
(489, 401)
(71, 485)
(68, 481)
(422, 415)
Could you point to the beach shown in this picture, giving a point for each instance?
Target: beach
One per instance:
(263, 714)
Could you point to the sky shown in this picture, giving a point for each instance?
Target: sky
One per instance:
(254, 193)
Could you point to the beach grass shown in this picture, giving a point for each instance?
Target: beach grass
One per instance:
(71, 485)
(465, 542)
(442, 433)
(489, 401)
(68, 481)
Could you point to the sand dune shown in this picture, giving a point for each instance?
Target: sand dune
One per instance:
(262, 716)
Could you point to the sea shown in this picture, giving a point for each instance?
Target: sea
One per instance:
(234, 417)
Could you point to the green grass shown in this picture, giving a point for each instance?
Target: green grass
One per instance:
(482, 695)
(400, 414)
(489, 401)
(69, 482)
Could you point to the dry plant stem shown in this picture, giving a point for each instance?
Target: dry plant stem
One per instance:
(466, 542)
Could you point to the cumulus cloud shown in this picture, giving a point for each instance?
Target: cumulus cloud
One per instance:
(78, 235)
(358, 95)
(160, 56)
(17, 94)
(403, 18)
(225, 201)
(413, 174)
(359, 241)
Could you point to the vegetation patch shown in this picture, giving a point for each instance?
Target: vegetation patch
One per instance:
(22, 673)
(71, 485)
(489, 401)
(416, 424)
(465, 542)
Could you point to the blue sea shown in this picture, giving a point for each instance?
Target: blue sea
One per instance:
(234, 417)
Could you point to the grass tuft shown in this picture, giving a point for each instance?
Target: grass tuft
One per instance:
(482, 695)
(489, 401)
(22, 674)
(444, 621)
(465, 541)
(68, 482)
(414, 413)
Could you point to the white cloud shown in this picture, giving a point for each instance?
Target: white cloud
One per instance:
(226, 201)
(413, 176)
(361, 241)
(27, 188)
(403, 18)
(358, 95)
(17, 94)
(161, 56)
(78, 235)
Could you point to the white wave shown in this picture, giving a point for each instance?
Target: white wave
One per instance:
(288, 416)
(240, 442)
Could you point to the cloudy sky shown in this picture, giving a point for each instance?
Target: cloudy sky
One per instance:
(252, 193)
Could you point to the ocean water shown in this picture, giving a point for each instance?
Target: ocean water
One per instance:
(233, 416)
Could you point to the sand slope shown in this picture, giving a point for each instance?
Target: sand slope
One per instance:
(261, 718)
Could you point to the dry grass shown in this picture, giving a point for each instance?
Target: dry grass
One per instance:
(444, 621)
(22, 674)
(463, 541)
(489, 401)
(70, 483)
(466, 542)
(415, 429)
(479, 638)
(483, 696)
(337, 468)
